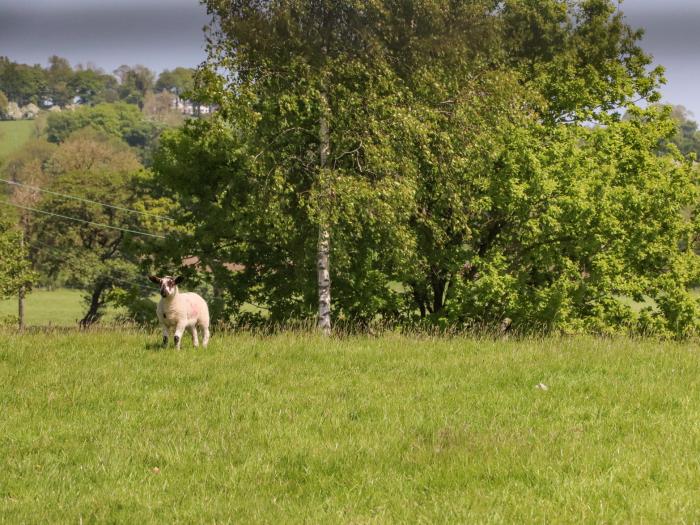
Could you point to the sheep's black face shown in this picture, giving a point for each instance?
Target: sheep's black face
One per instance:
(168, 285)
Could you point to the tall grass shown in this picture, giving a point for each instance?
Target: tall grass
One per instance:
(106, 426)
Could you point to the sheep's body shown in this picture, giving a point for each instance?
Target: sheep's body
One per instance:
(181, 311)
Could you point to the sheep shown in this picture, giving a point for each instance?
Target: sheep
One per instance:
(179, 311)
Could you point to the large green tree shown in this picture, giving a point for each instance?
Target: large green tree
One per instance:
(449, 147)
(22, 83)
(291, 94)
(89, 255)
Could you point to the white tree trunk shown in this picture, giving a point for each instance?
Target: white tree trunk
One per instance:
(324, 236)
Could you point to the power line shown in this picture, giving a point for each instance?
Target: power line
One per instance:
(81, 199)
(57, 251)
(137, 232)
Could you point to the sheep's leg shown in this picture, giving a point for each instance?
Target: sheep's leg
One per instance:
(205, 335)
(193, 331)
(178, 335)
(165, 337)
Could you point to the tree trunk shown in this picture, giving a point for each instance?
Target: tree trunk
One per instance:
(93, 314)
(22, 290)
(439, 285)
(324, 236)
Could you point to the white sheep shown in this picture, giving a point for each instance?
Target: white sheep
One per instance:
(177, 311)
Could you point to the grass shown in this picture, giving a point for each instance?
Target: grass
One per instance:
(64, 307)
(61, 307)
(104, 427)
(13, 134)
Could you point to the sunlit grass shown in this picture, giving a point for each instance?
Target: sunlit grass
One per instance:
(60, 307)
(13, 134)
(105, 426)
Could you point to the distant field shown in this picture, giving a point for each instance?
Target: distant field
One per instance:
(60, 307)
(63, 307)
(14, 133)
(106, 427)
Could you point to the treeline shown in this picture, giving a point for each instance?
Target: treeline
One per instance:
(434, 163)
(59, 84)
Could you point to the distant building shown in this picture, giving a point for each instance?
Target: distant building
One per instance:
(186, 107)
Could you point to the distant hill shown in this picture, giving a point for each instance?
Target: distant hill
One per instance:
(14, 133)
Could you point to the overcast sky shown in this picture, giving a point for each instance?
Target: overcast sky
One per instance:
(163, 34)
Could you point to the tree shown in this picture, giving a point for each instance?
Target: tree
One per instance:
(305, 135)
(160, 107)
(95, 167)
(90, 150)
(21, 83)
(539, 65)
(3, 105)
(15, 269)
(134, 83)
(687, 136)
(59, 76)
(93, 86)
(178, 81)
(120, 120)
(443, 145)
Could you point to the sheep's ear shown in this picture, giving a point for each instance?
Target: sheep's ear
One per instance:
(154, 279)
(179, 279)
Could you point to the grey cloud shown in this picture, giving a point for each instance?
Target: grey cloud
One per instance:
(109, 31)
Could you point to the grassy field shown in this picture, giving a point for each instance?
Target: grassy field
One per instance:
(106, 427)
(60, 307)
(14, 133)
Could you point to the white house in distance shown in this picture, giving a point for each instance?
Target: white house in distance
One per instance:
(186, 107)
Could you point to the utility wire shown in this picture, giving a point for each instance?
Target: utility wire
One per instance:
(57, 251)
(81, 199)
(137, 232)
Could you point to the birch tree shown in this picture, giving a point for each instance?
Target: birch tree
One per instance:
(293, 69)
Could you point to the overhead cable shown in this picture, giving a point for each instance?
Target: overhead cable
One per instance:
(56, 250)
(81, 199)
(98, 224)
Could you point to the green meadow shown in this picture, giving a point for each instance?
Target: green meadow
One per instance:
(105, 426)
(13, 134)
(59, 307)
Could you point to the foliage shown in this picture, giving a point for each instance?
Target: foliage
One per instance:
(98, 168)
(687, 136)
(91, 151)
(93, 86)
(576, 224)
(134, 83)
(121, 120)
(179, 81)
(22, 83)
(160, 107)
(3, 105)
(58, 77)
(468, 180)
(15, 268)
